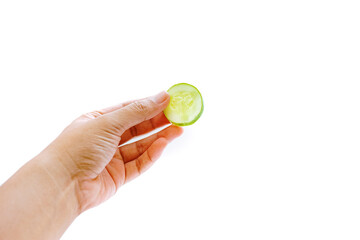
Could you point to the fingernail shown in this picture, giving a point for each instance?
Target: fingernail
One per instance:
(160, 97)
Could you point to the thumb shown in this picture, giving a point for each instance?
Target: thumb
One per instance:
(138, 111)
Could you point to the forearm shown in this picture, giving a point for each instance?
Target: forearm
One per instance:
(37, 202)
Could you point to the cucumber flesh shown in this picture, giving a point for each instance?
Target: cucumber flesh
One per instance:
(186, 104)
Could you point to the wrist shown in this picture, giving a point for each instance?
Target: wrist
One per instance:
(63, 185)
(38, 201)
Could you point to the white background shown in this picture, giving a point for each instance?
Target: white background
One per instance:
(275, 154)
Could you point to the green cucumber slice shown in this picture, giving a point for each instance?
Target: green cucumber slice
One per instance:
(186, 104)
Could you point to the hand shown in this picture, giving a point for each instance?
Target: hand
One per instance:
(83, 167)
(89, 147)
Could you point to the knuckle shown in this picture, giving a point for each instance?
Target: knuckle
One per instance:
(133, 131)
(140, 147)
(92, 115)
(108, 124)
(138, 164)
(142, 107)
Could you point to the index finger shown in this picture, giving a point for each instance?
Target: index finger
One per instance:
(116, 107)
(144, 127)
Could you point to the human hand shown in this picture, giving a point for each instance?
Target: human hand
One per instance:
(88, 149)
(83, 167)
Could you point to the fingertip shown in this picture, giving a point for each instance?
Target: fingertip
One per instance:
(177, 130)
(161, 97)
(166, 93)
(162, 142)
(166, 101)
(180, 130)
(170, 133)
(157, 148)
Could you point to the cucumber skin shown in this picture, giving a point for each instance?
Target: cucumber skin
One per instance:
(198, 116)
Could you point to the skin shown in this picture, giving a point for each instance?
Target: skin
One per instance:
(83, 167)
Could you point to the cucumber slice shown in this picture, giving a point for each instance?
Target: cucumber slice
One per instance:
(186, 104)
